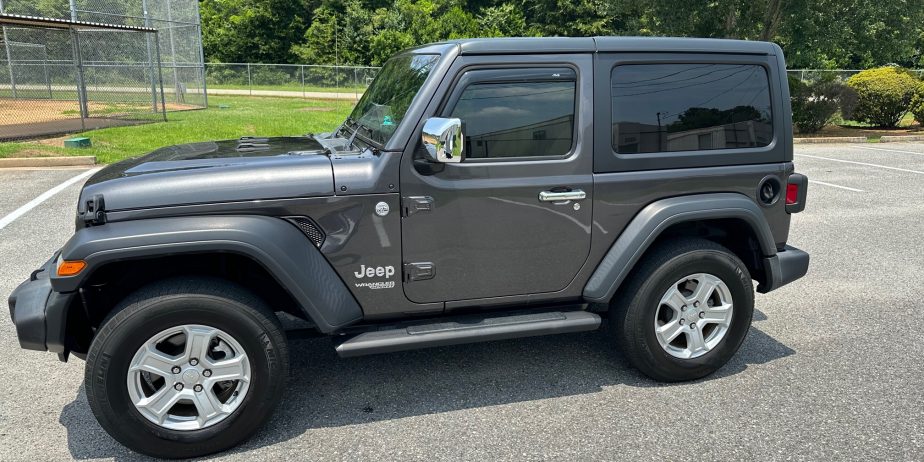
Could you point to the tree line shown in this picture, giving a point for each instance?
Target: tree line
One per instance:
(824, 34)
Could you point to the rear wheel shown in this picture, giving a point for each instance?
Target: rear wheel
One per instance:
(685, 311)
(185, 368)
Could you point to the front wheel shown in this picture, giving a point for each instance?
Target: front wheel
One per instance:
(185, 368)
(685, 311)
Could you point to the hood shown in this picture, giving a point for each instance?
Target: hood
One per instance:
(215, 171)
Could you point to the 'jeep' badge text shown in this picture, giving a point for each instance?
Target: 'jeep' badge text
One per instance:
(369, 272)
(375, 271)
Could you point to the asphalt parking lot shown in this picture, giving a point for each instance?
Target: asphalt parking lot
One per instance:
(833, 367)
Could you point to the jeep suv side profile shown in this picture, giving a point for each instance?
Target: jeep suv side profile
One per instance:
(480, 190)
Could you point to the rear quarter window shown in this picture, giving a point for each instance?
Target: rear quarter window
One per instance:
(669, 107)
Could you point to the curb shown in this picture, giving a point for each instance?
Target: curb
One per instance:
(830, 139)
(67, 161)
(857, 139)
(895, 138)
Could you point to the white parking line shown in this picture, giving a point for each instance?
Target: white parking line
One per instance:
(861, 163)
(890, 150)
(835, 185)
(42, 198)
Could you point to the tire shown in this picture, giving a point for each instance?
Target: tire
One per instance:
(638, 314)
(226, 318)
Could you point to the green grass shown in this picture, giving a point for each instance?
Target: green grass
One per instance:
(245, 116)
(907, 121)
(291, 87)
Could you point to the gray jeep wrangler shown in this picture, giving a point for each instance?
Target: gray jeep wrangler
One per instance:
(480, 190)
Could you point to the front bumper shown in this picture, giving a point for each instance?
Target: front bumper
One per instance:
(40, 313)
(786, 266)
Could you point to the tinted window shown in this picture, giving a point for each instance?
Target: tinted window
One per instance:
(686, 107)
(517, 119)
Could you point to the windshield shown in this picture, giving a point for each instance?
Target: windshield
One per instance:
(384, 103)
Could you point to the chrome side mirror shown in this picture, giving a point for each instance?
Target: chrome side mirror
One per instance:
(443, 140)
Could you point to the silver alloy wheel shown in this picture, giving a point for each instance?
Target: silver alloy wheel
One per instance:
(189, 377)
(693, 316)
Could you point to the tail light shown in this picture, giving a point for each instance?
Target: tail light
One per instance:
(796, 190)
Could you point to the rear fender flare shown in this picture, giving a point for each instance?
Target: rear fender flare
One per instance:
(652, 220)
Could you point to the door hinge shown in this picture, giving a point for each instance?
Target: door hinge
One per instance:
(414, 204)
(419, 271)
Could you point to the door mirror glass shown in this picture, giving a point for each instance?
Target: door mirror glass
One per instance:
(442, 139)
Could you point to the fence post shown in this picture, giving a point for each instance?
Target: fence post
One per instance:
(176, 78)
(302, 68)
(160, 74)
(9, 62)
(45, 68)
(81, 85)
(9, 56)
(249, 80)
(205, 90)
(147, 39)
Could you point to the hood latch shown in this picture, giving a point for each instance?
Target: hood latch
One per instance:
(95, 212)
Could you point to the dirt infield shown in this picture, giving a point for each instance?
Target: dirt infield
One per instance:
(24, 111)
(25, 118)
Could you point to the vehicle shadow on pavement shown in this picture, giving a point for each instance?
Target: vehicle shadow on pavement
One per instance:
(326, 391)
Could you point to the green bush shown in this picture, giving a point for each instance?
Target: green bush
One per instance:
(883, 95)
(917, 105)
(814, 104)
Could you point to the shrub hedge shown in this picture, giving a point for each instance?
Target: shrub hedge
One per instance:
(883, 95)
(814, 104)
(917, 104)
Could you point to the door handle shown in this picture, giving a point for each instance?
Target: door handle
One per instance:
(562, 196)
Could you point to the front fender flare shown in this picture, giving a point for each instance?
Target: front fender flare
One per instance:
(658, 216)
(275, 244)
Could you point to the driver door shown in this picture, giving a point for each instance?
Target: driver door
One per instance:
(495, 225)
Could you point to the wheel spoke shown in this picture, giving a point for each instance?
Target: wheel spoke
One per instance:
(705, 287)
(229, 369)
(154, 361)
(674, 299)
(160, 402)
(207, 405)
(720, 315)
(197, 341)
(695, 341)
(670, 331)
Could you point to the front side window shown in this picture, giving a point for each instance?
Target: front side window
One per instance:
(384, 103)
(517, 119)
(690, 107)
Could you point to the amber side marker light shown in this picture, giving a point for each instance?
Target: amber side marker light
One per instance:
(71, 268)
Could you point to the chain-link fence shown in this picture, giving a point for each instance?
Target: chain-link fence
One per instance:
(60, 80)
(349, 82)
(137, 60)
(813, 75)
(295, 80)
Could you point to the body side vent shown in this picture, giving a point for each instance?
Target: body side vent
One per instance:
(309, 228)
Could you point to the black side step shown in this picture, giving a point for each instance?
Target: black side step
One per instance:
(475, 330)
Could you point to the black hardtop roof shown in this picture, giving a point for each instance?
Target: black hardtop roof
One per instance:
(516, 45)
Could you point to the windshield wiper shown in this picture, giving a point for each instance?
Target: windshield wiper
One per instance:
(348, 123)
